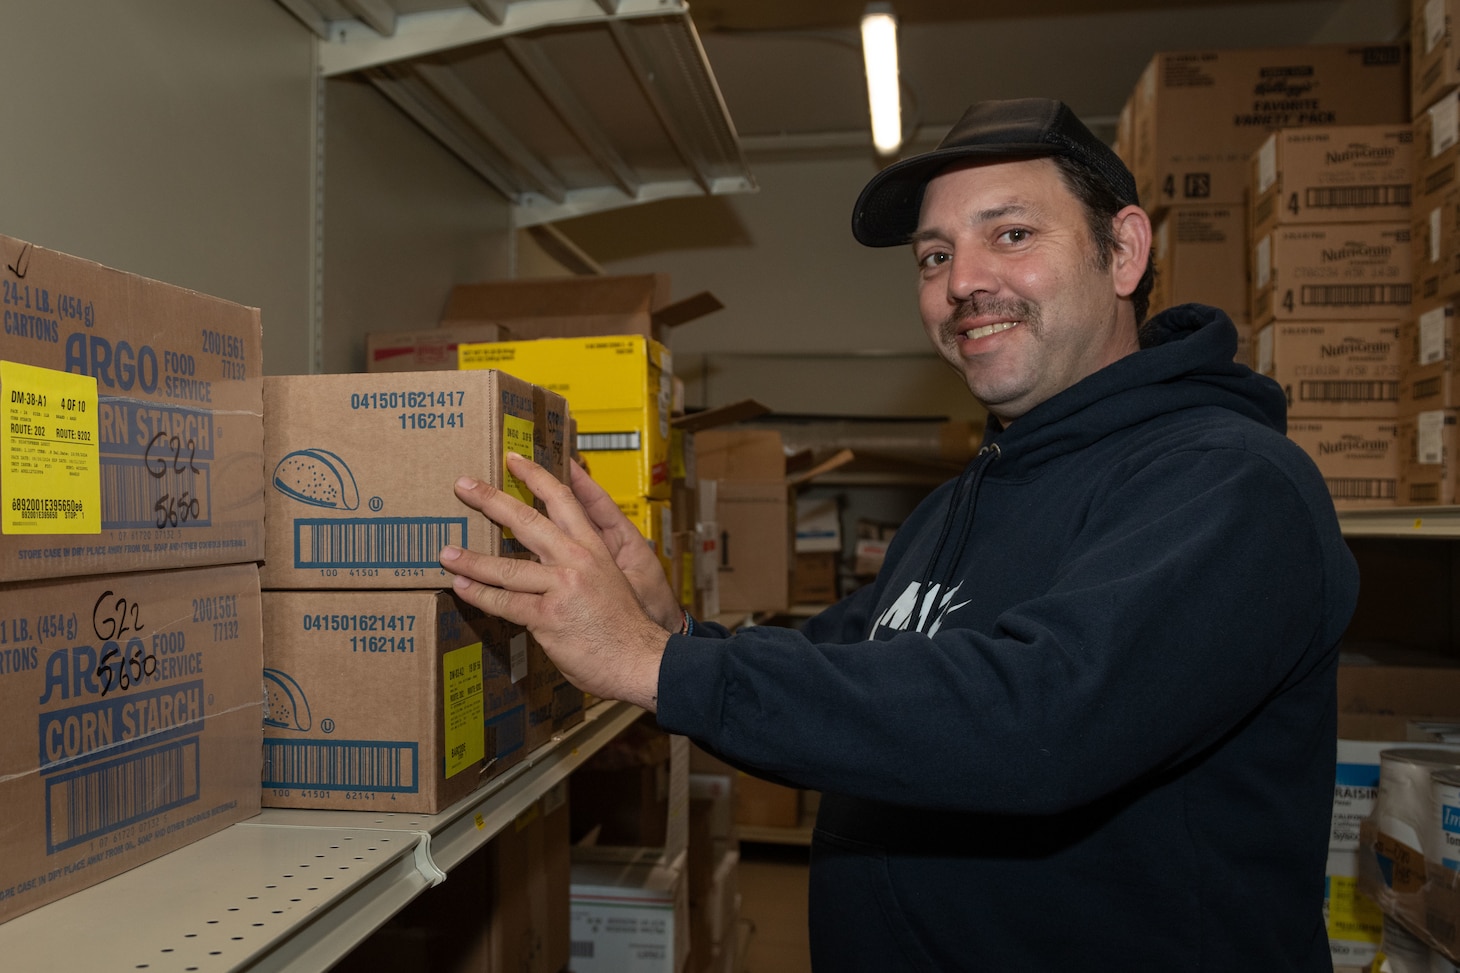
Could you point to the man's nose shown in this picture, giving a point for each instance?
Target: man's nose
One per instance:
(971, 273)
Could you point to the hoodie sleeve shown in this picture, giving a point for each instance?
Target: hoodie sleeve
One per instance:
(1200, 587)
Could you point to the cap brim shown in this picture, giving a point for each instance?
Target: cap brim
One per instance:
(886, 214)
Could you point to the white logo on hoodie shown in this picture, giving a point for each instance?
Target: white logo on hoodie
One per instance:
(899, 616)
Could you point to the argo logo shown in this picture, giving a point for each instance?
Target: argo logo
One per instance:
(116, 366)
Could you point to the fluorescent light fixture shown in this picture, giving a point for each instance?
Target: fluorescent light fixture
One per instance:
(879, 51)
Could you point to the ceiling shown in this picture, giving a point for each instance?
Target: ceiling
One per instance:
(791, 72)
(571, 107)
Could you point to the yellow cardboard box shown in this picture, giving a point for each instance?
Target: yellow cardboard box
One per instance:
(619, 389)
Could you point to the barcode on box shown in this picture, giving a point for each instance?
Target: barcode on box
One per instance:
(1351, 295)
(582, 948)
(604, 442)
(140, 495)
(1361, 488)
(90, 802)
(379, 766)
(384, 542)
(1328, 197)
(1338, 390)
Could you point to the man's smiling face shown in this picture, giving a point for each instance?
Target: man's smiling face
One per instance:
(1012, 290)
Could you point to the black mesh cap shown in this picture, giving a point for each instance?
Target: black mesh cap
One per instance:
(1022, 128)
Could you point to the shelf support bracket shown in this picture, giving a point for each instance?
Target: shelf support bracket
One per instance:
(425, 864)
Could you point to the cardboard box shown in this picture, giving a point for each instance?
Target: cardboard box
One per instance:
(628, 916)
(1437, 149)
(655, 521)
(1355, 924)
(619, 391)
(1201, 256)
(133, 418)
(1427, 465)
(764, 804)
(361, 470)
(814, 578)
(1332, 174)
(1330, 370)
(753, 514)
(1359, 458)
(528, 876)
(1436, 68)
(1332, 272)
(1428, 335)
(132, 722)
(577, 307)
(1377, 700)
(754, 546)
(1434, 246)
(818, 524)
(1424, 387)
(1199, 115)
(740, 454)
(634, 793)
(387, 700)
(432, 349)
(553, 703)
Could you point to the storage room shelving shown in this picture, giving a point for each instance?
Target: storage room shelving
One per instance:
(288, 889)
(294, 889)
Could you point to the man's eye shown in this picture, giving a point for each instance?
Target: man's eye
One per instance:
(934, 259)
(1016, 235)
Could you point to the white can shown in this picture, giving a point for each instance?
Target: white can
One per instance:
(1445, 838)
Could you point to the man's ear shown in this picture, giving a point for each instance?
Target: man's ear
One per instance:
(1132, 249)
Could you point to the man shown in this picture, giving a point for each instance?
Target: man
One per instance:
(1085, 716)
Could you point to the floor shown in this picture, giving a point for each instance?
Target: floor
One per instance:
(773, 908)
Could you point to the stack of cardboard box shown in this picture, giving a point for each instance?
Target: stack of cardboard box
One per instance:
(130, 634)
(1194, 119)
(1330, 291)
(384, 691)
(632, 877)
(1428, 393)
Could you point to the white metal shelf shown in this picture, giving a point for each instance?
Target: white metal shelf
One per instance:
(287, 890)
(565, 107)
(1421, 522)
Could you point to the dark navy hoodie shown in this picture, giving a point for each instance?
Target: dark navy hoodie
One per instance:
(1084, 719)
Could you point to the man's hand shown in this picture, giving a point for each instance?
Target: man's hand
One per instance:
(631, 552)
(576, 601)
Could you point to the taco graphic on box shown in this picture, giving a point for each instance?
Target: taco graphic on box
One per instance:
(285, 705)
(317, 477)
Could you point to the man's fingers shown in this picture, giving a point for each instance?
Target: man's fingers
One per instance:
(562, 506)
(505, 573)
(602, 511)
(515, 607)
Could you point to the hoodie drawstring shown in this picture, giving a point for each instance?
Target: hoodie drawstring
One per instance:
(964, 500)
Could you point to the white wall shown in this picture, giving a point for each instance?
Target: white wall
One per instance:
(176, 139)
(813, 321)
(404, 221)
(169, 138)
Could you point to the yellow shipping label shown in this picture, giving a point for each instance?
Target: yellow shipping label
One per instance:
(1351, 914)
(50, 466)
(463, 716)
(517, 438)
